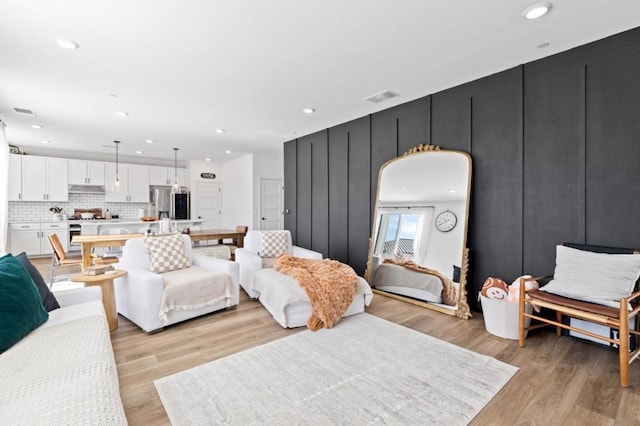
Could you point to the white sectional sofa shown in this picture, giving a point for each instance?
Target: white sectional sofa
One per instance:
(63, 372)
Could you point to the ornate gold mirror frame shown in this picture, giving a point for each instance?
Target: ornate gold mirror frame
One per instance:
(420, 221)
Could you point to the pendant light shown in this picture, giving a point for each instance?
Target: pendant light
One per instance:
(176, 186)
(116, 183)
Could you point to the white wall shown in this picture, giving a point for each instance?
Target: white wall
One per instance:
(267, 164)
(4, 188)
(237, 192)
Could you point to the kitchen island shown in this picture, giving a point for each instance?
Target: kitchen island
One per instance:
(97, 227)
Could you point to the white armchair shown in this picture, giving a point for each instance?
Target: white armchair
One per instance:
(250, 261)
(139, 294)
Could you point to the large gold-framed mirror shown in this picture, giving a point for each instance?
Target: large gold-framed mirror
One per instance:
(417, 250)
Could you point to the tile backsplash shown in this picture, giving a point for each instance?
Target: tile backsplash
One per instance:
(38, 211)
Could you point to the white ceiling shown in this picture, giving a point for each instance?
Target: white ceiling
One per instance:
(181, 69)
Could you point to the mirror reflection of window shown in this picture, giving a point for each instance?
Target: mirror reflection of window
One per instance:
(402, 232)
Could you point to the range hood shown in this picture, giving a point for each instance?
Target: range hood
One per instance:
(86, 189)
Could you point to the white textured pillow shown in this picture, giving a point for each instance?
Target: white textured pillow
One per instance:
(166, 253)
(594, 277)
(273, 243)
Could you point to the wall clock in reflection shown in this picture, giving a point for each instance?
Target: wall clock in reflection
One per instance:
(446, 221)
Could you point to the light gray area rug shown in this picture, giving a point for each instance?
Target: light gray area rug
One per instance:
(364, 370)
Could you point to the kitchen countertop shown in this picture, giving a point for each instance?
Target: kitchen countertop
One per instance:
(129, 221)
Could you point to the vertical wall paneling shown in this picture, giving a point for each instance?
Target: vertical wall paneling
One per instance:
(339, 193)
(290, 181)
(613, 136)
(553, 159)
(303, 196)
(359, 193)
(413, 124)
(450, 119)
(320, 193)
(384, 144)
(555, 152)
(495, 237)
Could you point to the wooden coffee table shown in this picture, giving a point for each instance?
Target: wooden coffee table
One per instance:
(105, 281)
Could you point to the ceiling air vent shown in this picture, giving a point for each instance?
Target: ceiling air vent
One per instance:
(381, 97)
(24, 111)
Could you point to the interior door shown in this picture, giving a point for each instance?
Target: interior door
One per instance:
(271, 204)
(209, 204)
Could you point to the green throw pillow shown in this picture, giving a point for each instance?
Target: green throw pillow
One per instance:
(21, 309)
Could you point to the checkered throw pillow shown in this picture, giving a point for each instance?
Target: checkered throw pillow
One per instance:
(166, 253)
(273, 243)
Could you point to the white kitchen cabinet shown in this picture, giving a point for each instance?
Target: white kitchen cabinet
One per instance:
(25, 237)
(165, 176)
(134, 183)
(44, 179)
(83, 172)
(31, 237)
(15, 177)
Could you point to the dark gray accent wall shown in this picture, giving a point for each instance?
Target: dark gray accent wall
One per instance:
(339, 193)
(554, 155)
(555, 145)
(304, 214)
(290, 178)
(613, 142)
(359, 193)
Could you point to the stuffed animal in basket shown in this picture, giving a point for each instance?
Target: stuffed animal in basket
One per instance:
(495, 288)
(514, 288)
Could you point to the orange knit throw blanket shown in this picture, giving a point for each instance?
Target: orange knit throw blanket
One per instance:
(449, 294)
(329, 284)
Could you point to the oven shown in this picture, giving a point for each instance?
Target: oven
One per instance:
(74, 229)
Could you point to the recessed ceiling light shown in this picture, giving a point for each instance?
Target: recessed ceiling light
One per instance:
(207, 159)
(67, 44)
(451, 191)
(228, 151)
(46, 141)
(537, 10)
(36, 126)
(220, 130)
(149, 141)
(121, 113)
(138, 152)
(308, 110)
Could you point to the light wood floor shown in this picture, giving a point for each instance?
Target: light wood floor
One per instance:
(561, 380)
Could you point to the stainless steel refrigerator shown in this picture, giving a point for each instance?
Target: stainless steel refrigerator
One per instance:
(164, 203)
(160, 205)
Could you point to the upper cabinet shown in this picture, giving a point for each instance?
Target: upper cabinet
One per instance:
(165, 176)
(83, 172)
(44, 179)
(34, 178)
(134, 183)
(15, 177)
